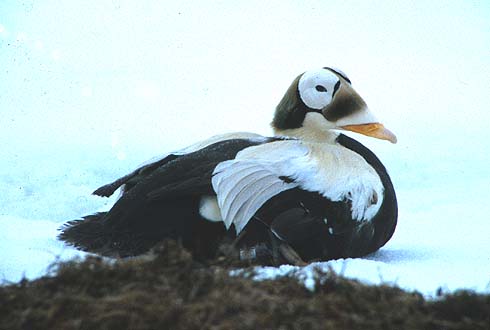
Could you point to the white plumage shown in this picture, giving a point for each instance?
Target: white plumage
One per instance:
(244, 184)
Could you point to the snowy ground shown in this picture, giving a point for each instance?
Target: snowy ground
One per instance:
(88, 92)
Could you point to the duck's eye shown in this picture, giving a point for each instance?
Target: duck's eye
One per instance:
(320, 88)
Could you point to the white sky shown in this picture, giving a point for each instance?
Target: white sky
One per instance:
(111, 83)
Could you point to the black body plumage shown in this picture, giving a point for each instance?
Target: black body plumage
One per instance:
(161, 200)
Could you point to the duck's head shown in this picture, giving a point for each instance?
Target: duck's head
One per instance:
(322, 100)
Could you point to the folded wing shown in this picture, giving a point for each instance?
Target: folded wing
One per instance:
(254, 176)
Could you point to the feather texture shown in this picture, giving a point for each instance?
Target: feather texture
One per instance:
(244, 184)
(258, 173)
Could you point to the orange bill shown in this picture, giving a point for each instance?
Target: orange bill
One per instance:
(375, 130)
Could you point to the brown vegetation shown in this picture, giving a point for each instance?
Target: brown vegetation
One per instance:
(173, 291)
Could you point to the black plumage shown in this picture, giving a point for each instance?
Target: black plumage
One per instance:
(284, 220)
(319, 229)
(161, 200)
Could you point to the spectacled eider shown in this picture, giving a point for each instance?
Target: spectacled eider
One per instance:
(307, 193)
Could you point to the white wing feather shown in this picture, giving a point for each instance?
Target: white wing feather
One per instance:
(244, 184)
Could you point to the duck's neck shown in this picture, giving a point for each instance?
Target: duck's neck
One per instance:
(314, 129)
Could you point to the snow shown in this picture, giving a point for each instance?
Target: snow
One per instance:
(90, 91)
(419, 260)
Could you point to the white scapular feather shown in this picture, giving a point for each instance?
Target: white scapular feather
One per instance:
(244, 184)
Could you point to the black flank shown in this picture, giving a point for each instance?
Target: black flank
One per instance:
(162, 201)
(326, 230)
(386, 219)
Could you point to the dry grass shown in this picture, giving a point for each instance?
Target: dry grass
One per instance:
(173, 291)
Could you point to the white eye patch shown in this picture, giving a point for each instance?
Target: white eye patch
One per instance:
(316, 88)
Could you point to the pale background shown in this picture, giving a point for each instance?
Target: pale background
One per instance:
(91, 89)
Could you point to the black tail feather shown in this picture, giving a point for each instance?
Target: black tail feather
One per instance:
(91, 234)
(86, 234)
(177, 219)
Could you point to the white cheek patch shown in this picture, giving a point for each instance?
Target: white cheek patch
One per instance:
(313, 98)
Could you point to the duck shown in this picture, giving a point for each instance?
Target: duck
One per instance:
(306, 193)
